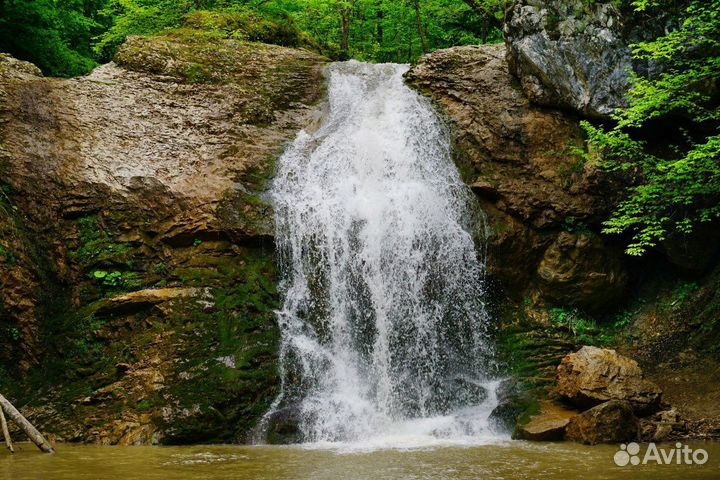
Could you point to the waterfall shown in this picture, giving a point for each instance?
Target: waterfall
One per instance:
(384, 327)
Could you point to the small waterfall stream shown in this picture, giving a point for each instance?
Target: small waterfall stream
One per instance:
(384, 328)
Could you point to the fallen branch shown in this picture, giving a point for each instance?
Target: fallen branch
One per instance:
(33, 434)
(6, 432)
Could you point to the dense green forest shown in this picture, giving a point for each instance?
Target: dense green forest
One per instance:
(69, 37)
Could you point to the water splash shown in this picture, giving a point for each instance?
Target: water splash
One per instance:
(383, 324)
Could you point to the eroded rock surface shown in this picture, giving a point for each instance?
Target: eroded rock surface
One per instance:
(140, 189)
(594, 375)
(609, 422)
(523, 162)
(547, 425)
(579, 269)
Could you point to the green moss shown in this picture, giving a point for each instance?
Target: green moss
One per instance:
(228, 374)
(252, 26)
(96, 247)
(530, 407)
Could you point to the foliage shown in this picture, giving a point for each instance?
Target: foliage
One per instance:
(69, 37)
(114, 279)
(679, 184)
(97, 248)
(56, 35)
(589, 332)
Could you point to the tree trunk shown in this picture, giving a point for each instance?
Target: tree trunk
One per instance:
(5, 431)
(380, 18)
(345, 34)
(420, 29)
(32, 433)
(489, 19)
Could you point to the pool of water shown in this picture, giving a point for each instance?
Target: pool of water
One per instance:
(507, 460)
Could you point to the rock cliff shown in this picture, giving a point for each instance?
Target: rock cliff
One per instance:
(537, 186)
(137, 258)
(575, 54)
(136, 251)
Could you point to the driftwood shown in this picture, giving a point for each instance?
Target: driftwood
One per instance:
(32, 432)
(5, 431)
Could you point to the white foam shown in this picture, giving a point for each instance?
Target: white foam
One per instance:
(383, 324)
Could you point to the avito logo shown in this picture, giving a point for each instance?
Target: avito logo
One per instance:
(680, 455)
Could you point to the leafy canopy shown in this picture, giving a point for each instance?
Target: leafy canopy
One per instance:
(69, 37)
(680, 180)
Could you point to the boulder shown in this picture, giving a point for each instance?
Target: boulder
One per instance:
(548, 425)
(513, 401)
(594, 375)
(579, 269)
(575, 54)
(569, 54)
(609, 422)
(282, 426)
(662, 426)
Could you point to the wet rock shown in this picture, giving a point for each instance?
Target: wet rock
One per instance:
(609, 422)
(459, 392)
(662, 426)
(548, 425)
(283, 426)
(513, 402)
(579, 269)
(518, 158)
(594, 375)
(142, 189)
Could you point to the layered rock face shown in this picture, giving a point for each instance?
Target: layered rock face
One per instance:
(145, 260)
(575, 54)
(535, 184)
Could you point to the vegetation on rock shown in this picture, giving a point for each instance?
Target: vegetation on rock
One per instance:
(668, 138)
(69, 37)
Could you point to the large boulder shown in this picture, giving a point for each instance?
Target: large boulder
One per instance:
(282, 426)
(547, 425)
(569, 53)
(575, 54)
(609, 422)
(592, 376)
(580, 269)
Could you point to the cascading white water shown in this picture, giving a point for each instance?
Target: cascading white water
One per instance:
(383, 323)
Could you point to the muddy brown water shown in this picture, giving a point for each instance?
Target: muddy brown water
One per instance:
(508, 460)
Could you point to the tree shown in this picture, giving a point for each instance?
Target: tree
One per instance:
(55, 35)
(680, 180)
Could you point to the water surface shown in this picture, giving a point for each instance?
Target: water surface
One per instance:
(508, 460)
